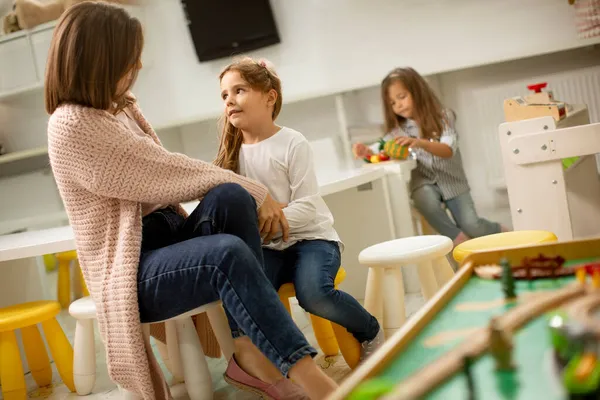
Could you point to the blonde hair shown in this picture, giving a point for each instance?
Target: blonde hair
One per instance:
(427, 109)
(260, 75)
(94, 46)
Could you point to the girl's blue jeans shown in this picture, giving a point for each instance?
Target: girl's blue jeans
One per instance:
(429, 201)
(215, 254)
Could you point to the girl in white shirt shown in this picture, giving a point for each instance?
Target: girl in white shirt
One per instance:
(305, 248)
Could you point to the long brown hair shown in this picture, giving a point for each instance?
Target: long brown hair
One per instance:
(428, 112)
(94, 46)
(260, 75)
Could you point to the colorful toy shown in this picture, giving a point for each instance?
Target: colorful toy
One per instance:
(395, 151)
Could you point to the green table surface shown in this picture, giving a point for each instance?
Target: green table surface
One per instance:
(533, 377)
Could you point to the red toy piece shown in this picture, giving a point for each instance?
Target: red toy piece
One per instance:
(537, 88)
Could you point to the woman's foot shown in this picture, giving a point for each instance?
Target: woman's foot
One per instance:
(254, 362)
(307, 374)
(282, 389)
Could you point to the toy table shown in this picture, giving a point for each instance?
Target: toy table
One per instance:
(411, 364)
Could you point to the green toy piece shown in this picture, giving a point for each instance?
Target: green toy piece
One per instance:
(372, 389)
(467, 363)
(508, 281)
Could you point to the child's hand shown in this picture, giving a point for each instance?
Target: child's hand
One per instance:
(411, 143)
(361, 150)
(271, 220)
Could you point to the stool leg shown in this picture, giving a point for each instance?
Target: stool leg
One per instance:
(84, 357)
(286, 303)
(373, 293)
(198, 380)
(64, 283)
(173, 351)
(393, 304)
(349, 346)
(84, 288)
(36, 354)
(164, 354)
(11, 367)
(61, 350)
(324, 335)
(443, 271)
(427, 279)
(220, 326)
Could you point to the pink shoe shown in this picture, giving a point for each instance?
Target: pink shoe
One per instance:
(284, 389)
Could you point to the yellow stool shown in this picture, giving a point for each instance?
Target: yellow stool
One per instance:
(25, 317)
(501, 240)
(328, 334)
(64, 279)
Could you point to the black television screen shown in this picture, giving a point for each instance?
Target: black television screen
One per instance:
(224, 28)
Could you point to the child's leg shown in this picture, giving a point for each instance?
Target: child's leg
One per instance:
(428, 200)
(465, 215)
(317, 263)
(277, 267)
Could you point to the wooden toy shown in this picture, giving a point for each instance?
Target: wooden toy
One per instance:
(538, 104)
(542, 193)
(389, 150)
(426, 358)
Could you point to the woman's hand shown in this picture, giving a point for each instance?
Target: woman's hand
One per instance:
(271, 220)
(410, 142)
(361, 150)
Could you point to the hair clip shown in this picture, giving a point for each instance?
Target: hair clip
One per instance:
(262, 63)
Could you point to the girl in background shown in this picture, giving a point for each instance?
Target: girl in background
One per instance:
(281, 159)
(415, 117)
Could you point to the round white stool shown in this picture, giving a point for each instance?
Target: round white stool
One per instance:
(384, 297)
(185, 350)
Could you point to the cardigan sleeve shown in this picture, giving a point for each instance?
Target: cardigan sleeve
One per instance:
(109, 160)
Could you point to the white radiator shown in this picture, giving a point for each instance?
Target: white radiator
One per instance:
(580, 86)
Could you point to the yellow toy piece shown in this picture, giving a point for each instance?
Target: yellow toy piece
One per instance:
(395, 151)
(581, 275)
(26, 317)
(328, 334)
(374, 159)
(596, 279)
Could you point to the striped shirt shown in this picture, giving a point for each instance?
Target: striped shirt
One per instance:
(447, 173)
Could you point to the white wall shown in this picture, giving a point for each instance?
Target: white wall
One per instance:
(339, 45)
(327, 47)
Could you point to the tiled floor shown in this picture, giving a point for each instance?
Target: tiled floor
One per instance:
(105, 389)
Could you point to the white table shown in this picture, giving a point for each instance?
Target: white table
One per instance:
(21, 274)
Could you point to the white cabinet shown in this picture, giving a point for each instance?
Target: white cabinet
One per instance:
(17, 67)
(40, 40)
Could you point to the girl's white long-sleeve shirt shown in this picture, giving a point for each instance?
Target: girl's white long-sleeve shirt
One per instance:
(284, 164)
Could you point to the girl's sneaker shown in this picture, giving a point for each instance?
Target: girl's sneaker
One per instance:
(370, 346)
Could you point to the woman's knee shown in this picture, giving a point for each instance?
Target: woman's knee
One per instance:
(235, 255)
(232, 196)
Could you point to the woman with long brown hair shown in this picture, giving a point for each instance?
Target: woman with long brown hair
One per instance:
(416, 118)
(142, 257)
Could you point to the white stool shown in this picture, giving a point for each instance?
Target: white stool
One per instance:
(185, 351)
(384, 297)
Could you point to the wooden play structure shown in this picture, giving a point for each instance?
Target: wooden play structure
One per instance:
(551, 172)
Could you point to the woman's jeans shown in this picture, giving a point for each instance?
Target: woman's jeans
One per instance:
(429, 201)
(216, 254)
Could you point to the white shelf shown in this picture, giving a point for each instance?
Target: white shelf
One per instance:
(21, 162)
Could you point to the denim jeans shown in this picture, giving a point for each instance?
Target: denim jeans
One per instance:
(428, 200)
(312, 266)
(216, 254)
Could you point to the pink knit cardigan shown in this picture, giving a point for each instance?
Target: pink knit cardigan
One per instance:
(104, 172)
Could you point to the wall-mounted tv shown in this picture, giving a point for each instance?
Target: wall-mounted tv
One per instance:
(224, 28)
